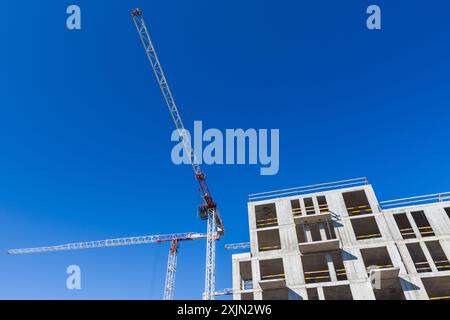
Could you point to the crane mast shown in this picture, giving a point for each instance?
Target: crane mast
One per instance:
(171, 263)
(207, 211)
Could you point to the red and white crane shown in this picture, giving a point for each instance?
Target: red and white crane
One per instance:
(174, 240)
(208, 210)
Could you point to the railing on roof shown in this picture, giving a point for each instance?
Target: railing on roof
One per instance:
(404, 202)
(309, 189)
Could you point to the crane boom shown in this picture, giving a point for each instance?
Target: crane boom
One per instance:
(113, 242)
(176, 117)
(171, 263)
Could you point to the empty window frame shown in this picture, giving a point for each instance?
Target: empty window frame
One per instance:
(266, 216)
(437, 288)
(309, 206)
(337, 293)
(245, 272)
(315, 268)
(422, 224)
(365, 228)
(269, 240)
(338, 263)
(418, 257)
(323, 205)
(356, 203)
(296, 208)
(438, 255)
(312, 293)
(376, 258)
(271, 269)
(404, 226)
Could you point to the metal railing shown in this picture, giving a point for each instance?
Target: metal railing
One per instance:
(404, 202)
(315, 188)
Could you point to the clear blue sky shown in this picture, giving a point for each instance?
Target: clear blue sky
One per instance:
(85, 135)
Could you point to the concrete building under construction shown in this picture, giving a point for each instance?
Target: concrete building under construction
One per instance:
(336, 241)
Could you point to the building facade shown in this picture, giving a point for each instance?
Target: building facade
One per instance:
(336, 241)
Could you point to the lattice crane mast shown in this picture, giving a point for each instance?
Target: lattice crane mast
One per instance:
(207, 211)
(174, 240)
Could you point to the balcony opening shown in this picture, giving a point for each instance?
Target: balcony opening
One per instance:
(269, 240)
(309, 206)
(279, 294)
(422, 224)
(404, 226)
(323, 205)
(376, 258)
(296, 208)
(266, 216)
(438, 255)
(328, 232)
(338, 293)
(391, 290)
(271, 269)
(418, 257)
(247, 296)
(357, 203)
(315, 268)
(312, 294)
(447, 211)
(437, 288)
(365, 228)
(245, 270)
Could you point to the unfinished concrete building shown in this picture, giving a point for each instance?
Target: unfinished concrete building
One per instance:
(336, 241)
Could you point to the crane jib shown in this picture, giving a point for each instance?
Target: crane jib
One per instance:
(170, 101)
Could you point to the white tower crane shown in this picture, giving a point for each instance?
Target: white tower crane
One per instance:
(207, 211)
(173, 252)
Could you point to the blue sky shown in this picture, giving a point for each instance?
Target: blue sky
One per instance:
(85, 135)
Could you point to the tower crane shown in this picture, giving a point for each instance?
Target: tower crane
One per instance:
(208, 210)
(174, 240)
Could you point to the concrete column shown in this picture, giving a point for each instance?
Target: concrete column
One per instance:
(284, 212)
(323, 234)
(413, 224)
(316, 205)
(320, 293)
(428, 256)
(396, 258)
(331, 268)
(406, 258)
(236, 279)
(307, 231)
(302, 206)
(372, 198)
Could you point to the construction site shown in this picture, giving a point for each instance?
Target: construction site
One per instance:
(329, 241)
(336, 241)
